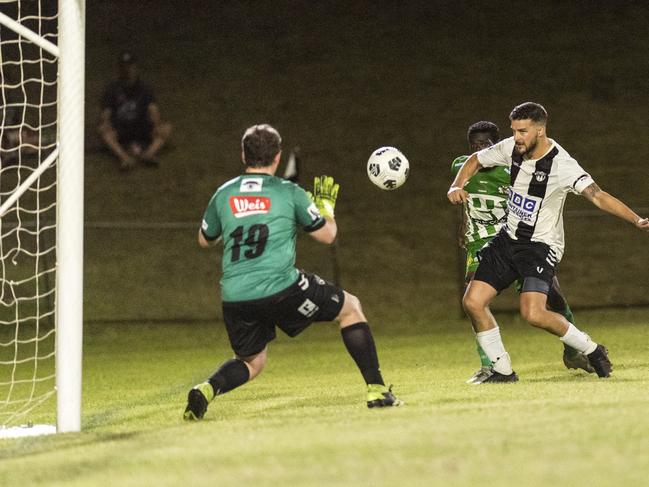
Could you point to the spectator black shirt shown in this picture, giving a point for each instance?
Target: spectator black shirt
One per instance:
(128, 106)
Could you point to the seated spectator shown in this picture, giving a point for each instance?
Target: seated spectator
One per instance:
(130, 124)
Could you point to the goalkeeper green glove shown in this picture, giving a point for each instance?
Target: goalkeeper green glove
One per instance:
(325, 192)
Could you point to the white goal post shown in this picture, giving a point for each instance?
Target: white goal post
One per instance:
(26, 149)
(69, 319)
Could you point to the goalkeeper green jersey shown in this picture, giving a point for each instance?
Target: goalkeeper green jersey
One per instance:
(486, 208)
(257, 216)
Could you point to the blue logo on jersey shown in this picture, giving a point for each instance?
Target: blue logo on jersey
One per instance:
(523, 207)
(521, 202)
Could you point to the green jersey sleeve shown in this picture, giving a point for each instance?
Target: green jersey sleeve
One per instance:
(307, 214)
(211, 225)
(457, 164)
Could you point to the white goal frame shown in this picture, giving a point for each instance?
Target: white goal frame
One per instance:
(69, 232)
(69, 275)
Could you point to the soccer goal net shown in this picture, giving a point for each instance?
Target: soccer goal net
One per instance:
(41, 214)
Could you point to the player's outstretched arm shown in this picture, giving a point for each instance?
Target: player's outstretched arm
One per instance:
(203, 242)
(605, 201)
(326, 234)
(456, 193)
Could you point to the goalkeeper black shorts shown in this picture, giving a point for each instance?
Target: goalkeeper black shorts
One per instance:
(251, 324)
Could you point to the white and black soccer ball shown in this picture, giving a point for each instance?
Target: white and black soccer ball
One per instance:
(388, 168)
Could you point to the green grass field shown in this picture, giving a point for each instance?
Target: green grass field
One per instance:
(304, 422)
(339, 79)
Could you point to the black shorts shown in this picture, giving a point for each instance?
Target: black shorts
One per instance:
(251, 324)
(504, 260)
(138, 133)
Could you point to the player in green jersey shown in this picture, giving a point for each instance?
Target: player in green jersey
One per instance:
(257, 216)
(483, 216)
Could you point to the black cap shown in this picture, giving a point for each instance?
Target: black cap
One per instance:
(127, 57)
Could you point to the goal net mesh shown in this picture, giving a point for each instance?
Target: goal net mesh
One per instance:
(28, 95)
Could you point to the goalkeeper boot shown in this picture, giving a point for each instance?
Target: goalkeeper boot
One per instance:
(480, 376)
(574, 359)
(197, 401)
(380, 396)
(498, 378)
(598, 358)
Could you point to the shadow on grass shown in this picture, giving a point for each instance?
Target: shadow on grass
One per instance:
(26, 447)
(123, 413)
(582, 379)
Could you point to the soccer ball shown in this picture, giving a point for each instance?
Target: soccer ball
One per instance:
(388, 168)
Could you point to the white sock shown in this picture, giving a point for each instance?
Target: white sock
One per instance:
(492, 345)
(578, 340)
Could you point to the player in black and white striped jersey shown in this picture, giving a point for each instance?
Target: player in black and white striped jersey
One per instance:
(532, 242)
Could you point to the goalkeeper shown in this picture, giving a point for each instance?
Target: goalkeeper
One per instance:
(257, 215)
(485, 212)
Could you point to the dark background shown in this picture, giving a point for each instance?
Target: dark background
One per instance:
(340, 79)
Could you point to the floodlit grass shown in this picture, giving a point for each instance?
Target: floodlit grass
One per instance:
(340, 79)
(303, 422)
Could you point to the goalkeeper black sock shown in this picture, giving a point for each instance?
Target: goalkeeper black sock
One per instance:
(360, 345)
(231, 374)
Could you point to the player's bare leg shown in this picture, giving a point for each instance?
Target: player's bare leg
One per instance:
(485, 364)
(160, 136)
(358, 340)
(485, 371)
(255, 363)
(230, 375)
(109, 138)
(476, 302)
(533, 307)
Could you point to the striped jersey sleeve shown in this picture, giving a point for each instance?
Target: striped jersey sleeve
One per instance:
(498, 154)
(574, 177)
